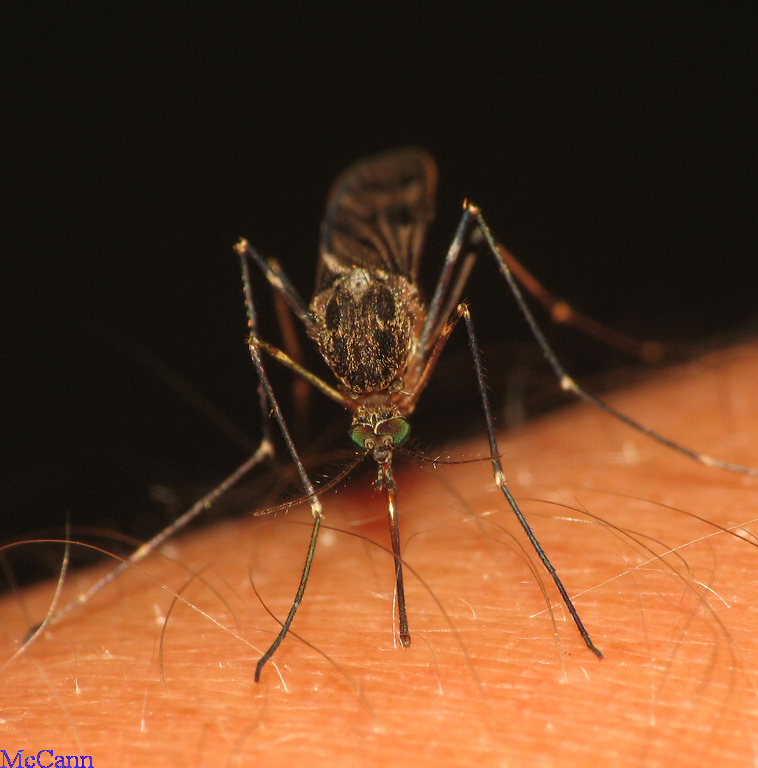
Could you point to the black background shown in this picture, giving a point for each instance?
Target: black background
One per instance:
(613, 151)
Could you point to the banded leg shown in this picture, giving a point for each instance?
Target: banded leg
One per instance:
(265, 451)
(472, 218)
(245, 254)
(497, 467)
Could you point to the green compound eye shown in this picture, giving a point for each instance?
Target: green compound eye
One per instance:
(360, 433)
(397, 429)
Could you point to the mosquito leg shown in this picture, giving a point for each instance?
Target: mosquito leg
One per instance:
(265, 451)
(286, 291)
(304, 373)
(430, 362)
(444, 298)
(316, 509)
(567, 383)
(296, 602)
(301, 391)
(277, 279)
(286, 296)
(500, 479)
(561, 312)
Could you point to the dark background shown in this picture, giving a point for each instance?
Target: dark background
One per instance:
(613, 151)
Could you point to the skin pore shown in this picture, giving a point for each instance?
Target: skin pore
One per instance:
(655, 550)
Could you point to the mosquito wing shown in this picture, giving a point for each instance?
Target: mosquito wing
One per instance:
(377, 214)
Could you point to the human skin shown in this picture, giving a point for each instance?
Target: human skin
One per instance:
(655, 550)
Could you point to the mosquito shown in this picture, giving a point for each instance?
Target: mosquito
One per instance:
(382, 341)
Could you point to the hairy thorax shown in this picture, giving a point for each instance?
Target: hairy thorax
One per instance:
(367, 328)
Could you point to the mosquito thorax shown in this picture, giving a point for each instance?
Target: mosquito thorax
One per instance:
(366, 322)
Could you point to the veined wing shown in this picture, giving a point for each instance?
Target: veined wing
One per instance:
(377, 215)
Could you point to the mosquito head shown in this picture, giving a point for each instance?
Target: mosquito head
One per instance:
(379, 432)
